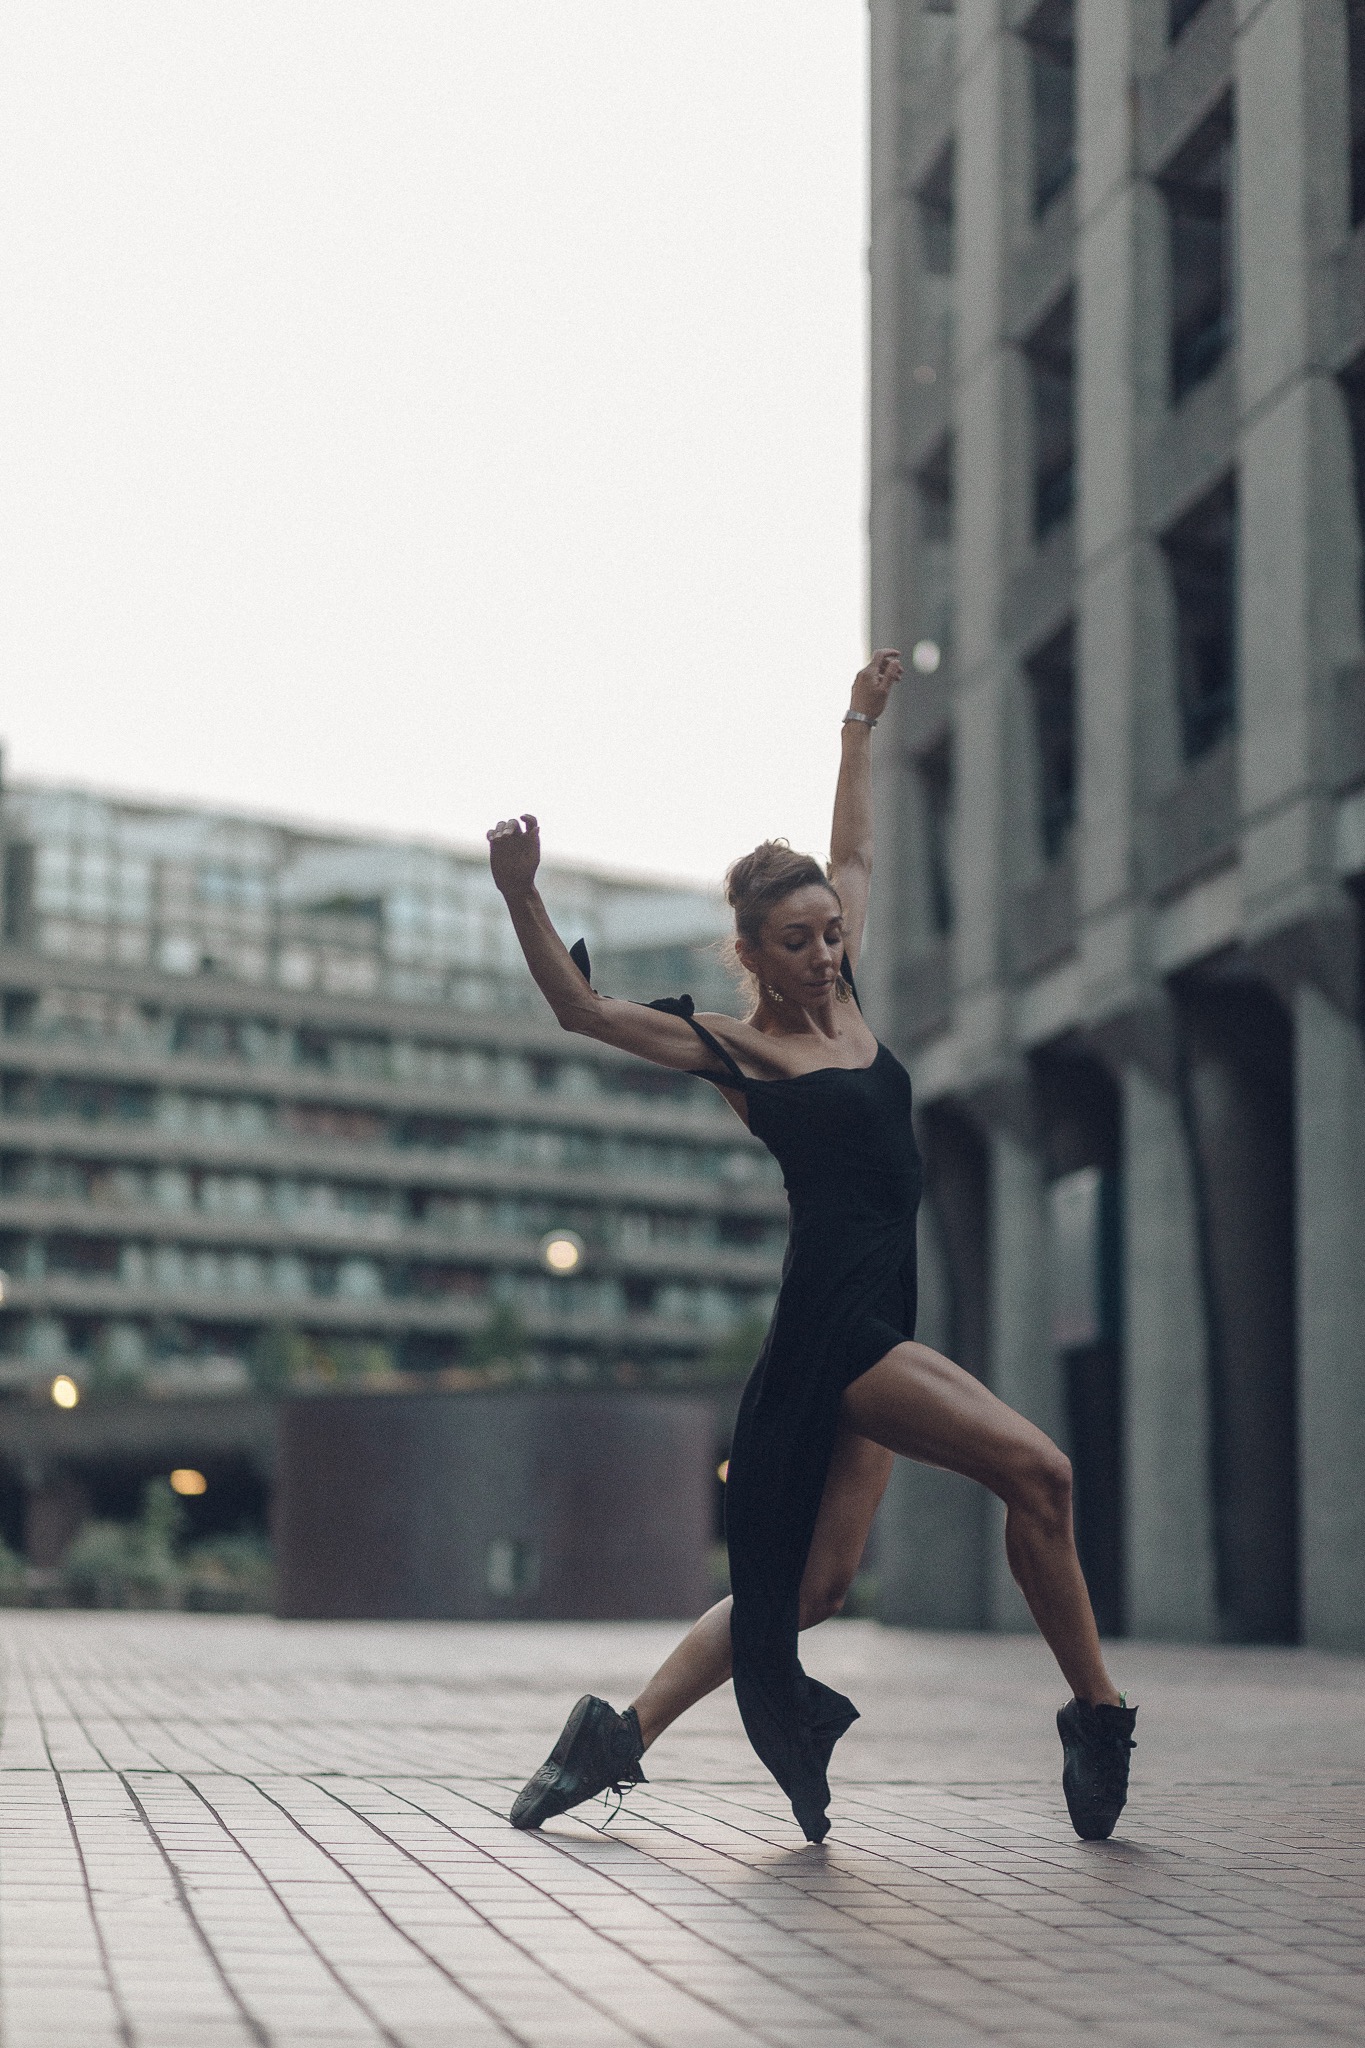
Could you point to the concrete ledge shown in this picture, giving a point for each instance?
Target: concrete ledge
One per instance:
(1194, 77)
(1350, 836)
(1198, 923)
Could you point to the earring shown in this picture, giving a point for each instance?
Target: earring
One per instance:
(774, 997)
(841, 994)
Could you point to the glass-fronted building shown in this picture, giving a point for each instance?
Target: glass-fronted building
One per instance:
(281, 1100)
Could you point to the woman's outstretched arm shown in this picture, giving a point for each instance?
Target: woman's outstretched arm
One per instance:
(850, 838)
(514, 856)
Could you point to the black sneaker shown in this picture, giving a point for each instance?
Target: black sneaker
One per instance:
(598, 1748)
(1095, 1745)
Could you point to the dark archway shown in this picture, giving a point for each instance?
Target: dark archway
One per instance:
(957, 1185)
(932, 1529)
(1080, 1121)
(1237, 1091)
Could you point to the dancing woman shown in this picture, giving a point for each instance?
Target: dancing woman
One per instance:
(840, 1386)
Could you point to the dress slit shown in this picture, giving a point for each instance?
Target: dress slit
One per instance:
(845, 1141)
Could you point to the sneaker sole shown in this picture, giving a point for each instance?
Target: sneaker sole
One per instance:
(539, 1799)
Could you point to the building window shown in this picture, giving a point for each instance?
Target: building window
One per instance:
(1355, 38)
(934, 591)
(935, 770)
(1202, 556)
(1052, 684)
(1050, 34)
(20, 870)
(1051, 367)
(935, 197)
(1179, 15)
(1198, 193)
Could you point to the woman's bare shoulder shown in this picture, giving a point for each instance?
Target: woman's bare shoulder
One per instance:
(751, 1047)
(788, 1055)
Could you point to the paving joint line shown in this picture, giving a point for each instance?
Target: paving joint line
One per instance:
(249, 2020)
(522, 2040)
(561, 1846)
(521, 1947)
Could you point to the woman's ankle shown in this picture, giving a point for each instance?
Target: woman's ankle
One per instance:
(650, 1729)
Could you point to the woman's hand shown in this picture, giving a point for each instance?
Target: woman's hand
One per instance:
(872, 685)
(514, 854)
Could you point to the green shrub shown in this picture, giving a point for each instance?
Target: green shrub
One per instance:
(278, 1359)
(501, 1345)
(13, 1578)
(229, 1575)
(142, 1564)
(360, 1364)
(123, 1564)
(118, 1365)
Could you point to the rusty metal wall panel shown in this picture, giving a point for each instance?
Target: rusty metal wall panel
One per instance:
(550, 1505)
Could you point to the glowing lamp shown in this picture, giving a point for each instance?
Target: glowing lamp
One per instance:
(925, 656)
(723, 1470)
(561, 1252)
(187, 1482)
(64, 1391)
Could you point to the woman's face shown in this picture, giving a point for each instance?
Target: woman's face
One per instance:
(800, 946)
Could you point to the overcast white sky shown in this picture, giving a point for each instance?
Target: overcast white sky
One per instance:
(413, 413)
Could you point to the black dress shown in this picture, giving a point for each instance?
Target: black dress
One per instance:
(844, 1140)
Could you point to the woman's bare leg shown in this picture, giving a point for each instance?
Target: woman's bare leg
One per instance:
(854, 1486)
(918, 1403)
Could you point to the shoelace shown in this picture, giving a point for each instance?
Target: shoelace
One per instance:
(620, 1791)
(1109, 1760)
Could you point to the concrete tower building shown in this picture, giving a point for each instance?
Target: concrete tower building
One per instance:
(1118, 468)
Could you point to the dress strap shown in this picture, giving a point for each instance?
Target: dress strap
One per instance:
(683, 1006)
(678, 1006)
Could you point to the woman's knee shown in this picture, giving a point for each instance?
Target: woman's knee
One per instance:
(1040, 1486)
(823, 1597)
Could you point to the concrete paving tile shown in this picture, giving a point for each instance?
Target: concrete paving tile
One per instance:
(296, 1833)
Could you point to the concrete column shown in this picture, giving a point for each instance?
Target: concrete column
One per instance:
(1169, 1548)
(892, 506)
(1121, 373)
(1024, 1370)
(986, 399)
(1330, 1099)
(1298, 538)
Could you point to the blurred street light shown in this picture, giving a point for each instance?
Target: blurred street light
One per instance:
(561, 1252)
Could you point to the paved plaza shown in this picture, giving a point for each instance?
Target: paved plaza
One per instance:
(240, 1831)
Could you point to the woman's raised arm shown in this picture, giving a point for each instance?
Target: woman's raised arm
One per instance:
(514, 856)
(850, 837)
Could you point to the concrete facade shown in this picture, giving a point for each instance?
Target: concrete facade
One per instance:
(281, 1106)
(1118, 301)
